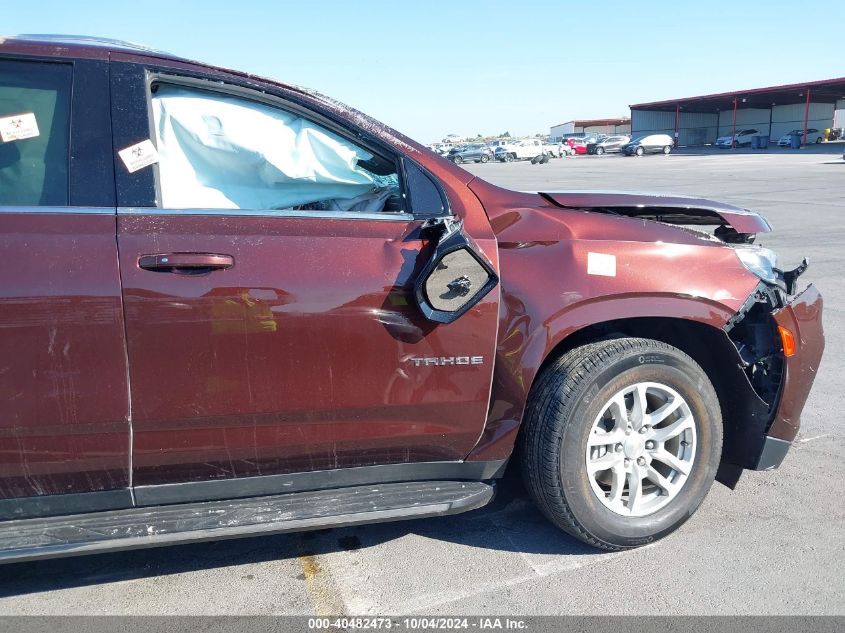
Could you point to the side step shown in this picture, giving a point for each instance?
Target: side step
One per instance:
(72, 535)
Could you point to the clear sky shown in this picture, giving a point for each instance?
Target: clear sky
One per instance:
(466, 66)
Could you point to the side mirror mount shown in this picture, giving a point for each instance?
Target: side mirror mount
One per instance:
(456, 277)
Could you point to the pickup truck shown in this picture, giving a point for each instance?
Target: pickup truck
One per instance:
(232, 306)
(529, 149)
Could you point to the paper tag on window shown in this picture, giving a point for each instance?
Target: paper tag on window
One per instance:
(138, 156)
(601, 264)
(18, 127)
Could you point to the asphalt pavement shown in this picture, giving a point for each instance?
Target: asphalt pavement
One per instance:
(775, 545)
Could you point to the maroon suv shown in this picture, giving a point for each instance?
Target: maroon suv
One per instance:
(230, 307)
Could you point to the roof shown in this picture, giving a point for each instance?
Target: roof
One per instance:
(592, 122)
(83, 42)
(822, 91)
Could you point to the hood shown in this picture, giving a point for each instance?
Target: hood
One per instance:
(667, 209)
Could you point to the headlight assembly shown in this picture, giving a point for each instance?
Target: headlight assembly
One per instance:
(760, 261)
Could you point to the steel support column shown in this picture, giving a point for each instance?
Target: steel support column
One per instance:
(677, 124)
(733, 132)
(806, 114)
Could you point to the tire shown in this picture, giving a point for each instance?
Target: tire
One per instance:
(666, 150)
(639, 151)
(543, 159)
(457, 160)
(535, 160)
(818, 140)
(565, 405)
(484, 158)
(599, 151)
(508, 158)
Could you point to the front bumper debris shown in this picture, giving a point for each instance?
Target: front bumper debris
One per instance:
(803, 317)
(768, 394)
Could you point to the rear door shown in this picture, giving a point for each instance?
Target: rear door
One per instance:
(269, 330)
(64, 429)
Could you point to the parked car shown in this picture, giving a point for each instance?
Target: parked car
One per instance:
(649, 144)
(555, 150)
(528, 149)
(609, 145)
(473, 152)
(742, 137)
(813, 136)
(307, 353)
(502, 142)
(578, 145)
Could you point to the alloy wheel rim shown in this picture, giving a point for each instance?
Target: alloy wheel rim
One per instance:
(641, 449)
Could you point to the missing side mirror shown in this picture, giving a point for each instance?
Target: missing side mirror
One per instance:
(456, 278)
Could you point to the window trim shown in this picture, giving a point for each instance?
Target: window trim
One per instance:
(153, 77)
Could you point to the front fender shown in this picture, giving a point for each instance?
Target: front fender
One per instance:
(526, 342)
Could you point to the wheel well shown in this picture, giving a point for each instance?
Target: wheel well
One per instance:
(708, 346)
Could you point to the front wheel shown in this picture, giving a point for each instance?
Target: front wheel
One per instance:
(508, 158)
(667, 149)
(457, 160)
(484, 158)
(622, 440)
(599, 151)
(640, 151)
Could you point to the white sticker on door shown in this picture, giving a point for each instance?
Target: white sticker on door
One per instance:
(138, 156)
(601, 264)
(18, 127)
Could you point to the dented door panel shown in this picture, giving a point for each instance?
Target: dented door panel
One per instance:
(300, 356)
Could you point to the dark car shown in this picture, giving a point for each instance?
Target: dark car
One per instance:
(650, 144)
(608, 145)
(474, 152)
(233, 307)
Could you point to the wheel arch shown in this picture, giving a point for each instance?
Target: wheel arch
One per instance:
(707, 344)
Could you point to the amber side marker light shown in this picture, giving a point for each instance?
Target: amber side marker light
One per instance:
(787, 340)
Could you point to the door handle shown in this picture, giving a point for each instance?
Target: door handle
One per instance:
(186, 263)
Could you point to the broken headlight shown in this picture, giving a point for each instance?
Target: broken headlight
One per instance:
(761, 261)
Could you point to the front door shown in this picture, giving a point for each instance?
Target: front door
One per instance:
(269, 300)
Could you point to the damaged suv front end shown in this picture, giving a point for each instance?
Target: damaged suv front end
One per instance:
(779, 340)
(777, 333)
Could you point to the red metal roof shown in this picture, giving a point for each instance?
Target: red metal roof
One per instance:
(591, 122)
(825, 90)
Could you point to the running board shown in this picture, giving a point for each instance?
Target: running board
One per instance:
(54, 537)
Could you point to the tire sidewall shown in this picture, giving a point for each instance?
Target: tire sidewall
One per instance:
(640, 366)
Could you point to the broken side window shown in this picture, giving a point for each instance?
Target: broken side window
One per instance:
(218, 151)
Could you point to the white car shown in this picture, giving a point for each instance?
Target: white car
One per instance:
(813, 136)
(520, 150)
(555, 150)
(742, 137)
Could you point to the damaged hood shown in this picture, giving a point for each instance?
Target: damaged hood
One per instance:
(667, 209)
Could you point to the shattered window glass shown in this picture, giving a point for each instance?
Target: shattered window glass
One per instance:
(218, 151)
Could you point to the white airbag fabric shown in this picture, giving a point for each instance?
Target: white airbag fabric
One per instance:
(223, 152)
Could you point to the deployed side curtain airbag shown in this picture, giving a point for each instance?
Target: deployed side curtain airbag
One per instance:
(218, 151)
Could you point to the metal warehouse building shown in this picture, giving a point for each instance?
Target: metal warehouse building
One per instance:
(587, 126)
(773, 111)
